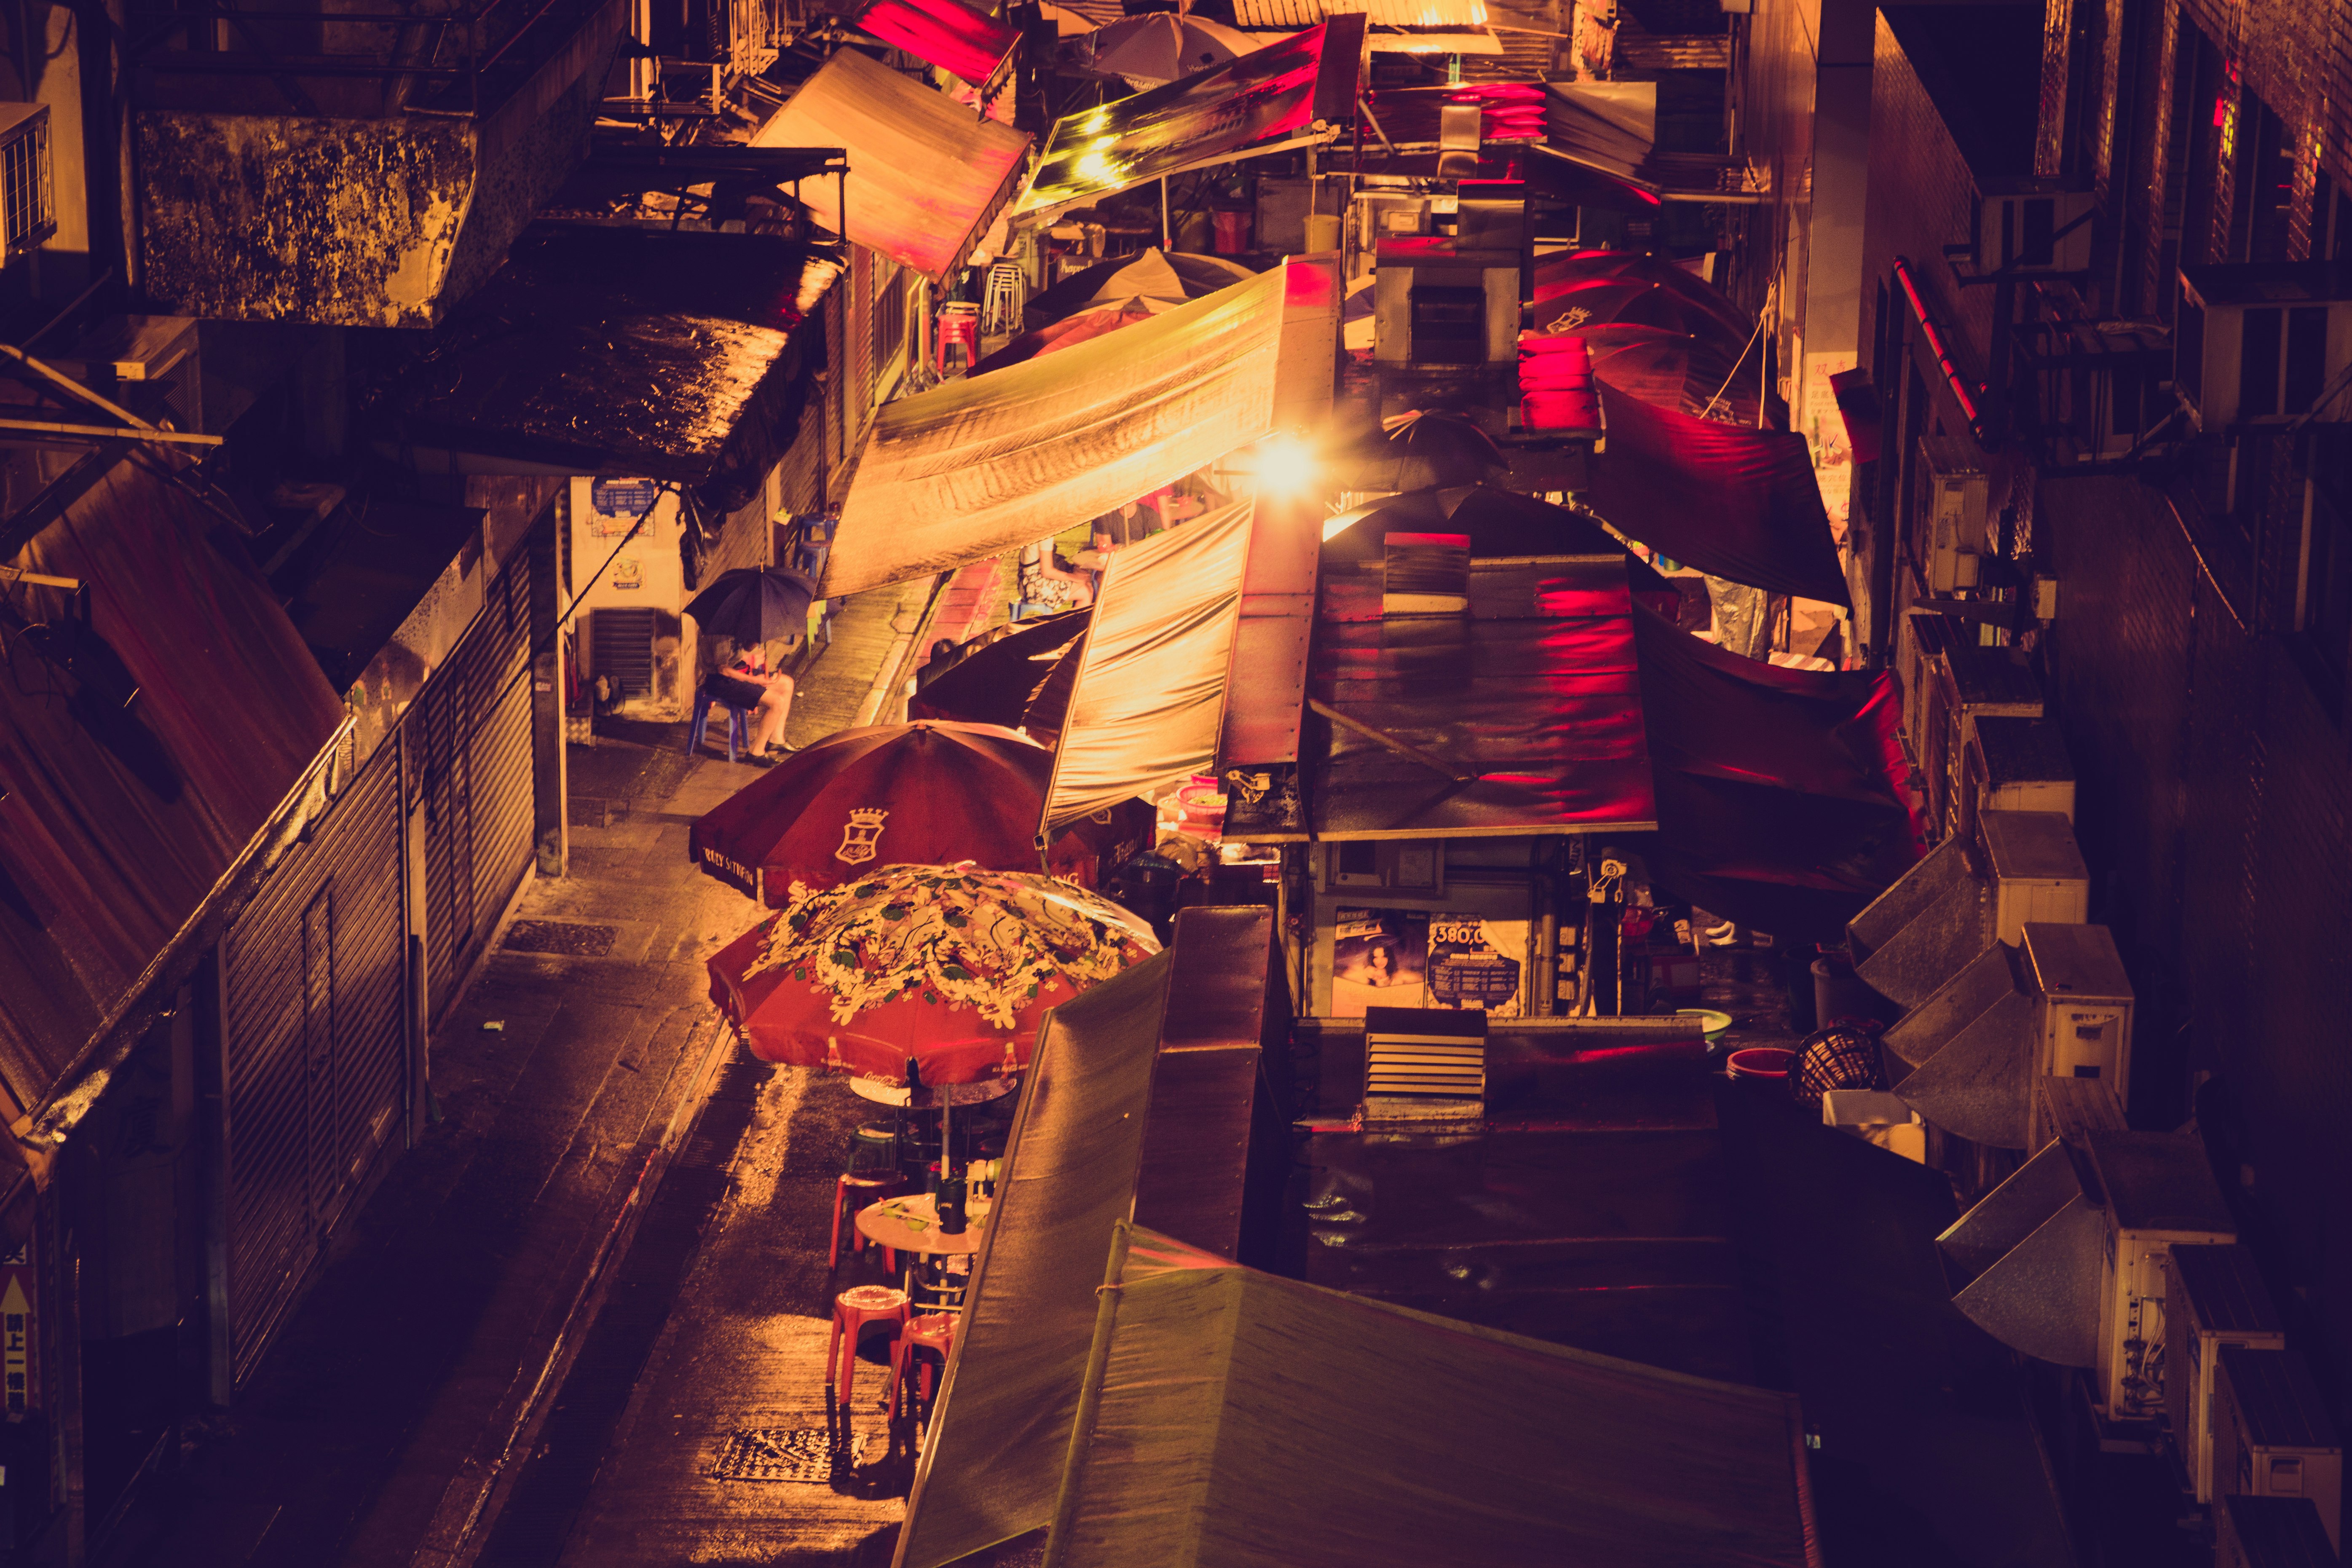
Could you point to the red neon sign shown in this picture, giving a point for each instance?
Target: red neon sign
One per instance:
(1936, 342)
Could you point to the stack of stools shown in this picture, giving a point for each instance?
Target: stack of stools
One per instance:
(873, 1176)
(1000, 308)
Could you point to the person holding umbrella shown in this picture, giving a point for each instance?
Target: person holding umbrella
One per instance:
(752, 607)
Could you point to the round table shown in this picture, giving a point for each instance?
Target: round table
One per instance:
(912, 1225)
(932, 1098)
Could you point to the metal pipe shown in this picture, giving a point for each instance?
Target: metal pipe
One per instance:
(108, 432)
(68, 384)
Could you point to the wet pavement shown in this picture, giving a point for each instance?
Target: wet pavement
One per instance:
(591, 1130)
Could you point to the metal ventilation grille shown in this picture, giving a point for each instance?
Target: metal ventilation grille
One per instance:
(1419, 1064)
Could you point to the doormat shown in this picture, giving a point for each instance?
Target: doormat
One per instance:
(811, 1454)
(568, 937)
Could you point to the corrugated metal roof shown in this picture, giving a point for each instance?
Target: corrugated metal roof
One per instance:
(1380, 12)
(117, 823)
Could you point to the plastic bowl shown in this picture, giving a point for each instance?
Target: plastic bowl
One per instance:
(1716, 1023)
(1761, 1061)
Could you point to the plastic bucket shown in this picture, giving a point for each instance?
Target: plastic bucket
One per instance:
(1232, 232)
(1322, 232)
(1772, 1062)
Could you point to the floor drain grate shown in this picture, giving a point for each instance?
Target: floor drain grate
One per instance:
(565, 937)
(811, 1454)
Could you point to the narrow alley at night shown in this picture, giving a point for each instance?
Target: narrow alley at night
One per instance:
(1082, 784)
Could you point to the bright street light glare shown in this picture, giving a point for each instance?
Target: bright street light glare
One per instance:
(1285, 466)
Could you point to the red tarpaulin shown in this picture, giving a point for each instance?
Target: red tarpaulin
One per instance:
(1742, 505)
(951, 36)
(1781, 792)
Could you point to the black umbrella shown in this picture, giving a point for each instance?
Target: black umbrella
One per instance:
(993, 685)
(754, 604)
(1426, 452)
(1498, 523)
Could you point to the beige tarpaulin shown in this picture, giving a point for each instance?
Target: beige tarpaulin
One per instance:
(1002, 1422)
(994, 462)
(925, 178)
(1241, 1420)
(1150, 690)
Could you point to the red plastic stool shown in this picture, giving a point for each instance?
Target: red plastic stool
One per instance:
(852, 1311)
(932, 1332)
(851, 1193)
(958, 326)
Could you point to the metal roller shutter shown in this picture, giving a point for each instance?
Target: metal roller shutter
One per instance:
(314, 1050)
(499, 766)
(438, 728)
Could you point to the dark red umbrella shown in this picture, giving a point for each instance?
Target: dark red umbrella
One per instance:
(1604, 301)
(1675, 370)
(929, 793)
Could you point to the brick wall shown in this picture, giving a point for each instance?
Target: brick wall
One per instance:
(2212, 797)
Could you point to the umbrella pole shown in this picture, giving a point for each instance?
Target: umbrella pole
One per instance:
(1167, 240)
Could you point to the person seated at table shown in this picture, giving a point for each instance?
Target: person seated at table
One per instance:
(1130, 524)
(775, 704)
(1046, 579)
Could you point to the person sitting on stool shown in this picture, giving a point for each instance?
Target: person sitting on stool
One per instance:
(775, 702)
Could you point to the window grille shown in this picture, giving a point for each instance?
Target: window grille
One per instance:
(27, 211)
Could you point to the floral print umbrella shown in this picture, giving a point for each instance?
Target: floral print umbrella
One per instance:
(949, 969)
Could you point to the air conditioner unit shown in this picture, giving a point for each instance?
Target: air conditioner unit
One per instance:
(2016, 764)
(2272, 1434)
(1451, 295)
(1966, 684)
(2009, 1022)
(2270, 1533)
(156, 354)
(1415, 867)
(2035, 231)
(2066, 1261)
(2214, 1296)
(2261, 342)
(1949, 530)
(1964, 896)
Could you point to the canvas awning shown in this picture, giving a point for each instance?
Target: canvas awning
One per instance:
(1781, 792)
(1139, 1101)
(952, 37)
(1533, 695)
(1299, 89)
(991, 463)
(1743, 505)
(601, 351)
(1238, 1418)
(1151, 679)
(122, 822)
(925, 178)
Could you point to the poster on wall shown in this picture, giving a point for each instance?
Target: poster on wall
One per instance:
(1379, 958)
(1476, 964)
(616, 505)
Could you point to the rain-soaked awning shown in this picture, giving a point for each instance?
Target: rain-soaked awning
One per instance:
(125, 815)
(1531, 701)
(1140, 1103)
(1743, 505)
(991, 463)
(1299, 89)
(1781, 792)
(1237, 1418)
(600, 350)
(950, 35)
(925, 178)
(1151, 681)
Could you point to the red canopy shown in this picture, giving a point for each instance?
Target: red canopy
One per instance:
(952, 37)
(1737, 504)
(1781, 798)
